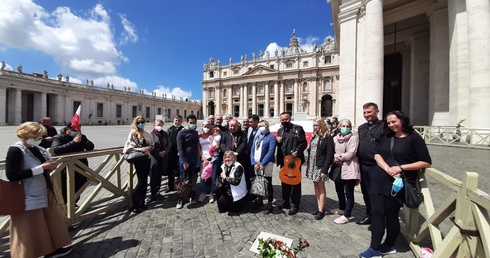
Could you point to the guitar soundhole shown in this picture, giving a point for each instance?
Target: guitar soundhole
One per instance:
(292, 165)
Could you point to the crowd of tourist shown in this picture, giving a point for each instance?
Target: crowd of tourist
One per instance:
(220, 162)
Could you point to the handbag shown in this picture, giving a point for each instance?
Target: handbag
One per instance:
(12, 198)
(335, 172)
(184, 187)
(259, 185)
(134, 156)
(207, 171)
(413, 197)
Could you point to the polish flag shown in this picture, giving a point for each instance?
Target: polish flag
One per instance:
(75, 121)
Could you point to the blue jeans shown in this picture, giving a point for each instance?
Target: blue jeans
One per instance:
(202, 183)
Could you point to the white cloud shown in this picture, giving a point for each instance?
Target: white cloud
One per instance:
(129, 33)
(177, 92)
(307, 45)
(119, 82)
(84, 45)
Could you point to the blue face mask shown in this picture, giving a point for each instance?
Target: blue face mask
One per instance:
(262, 130)
(397, 186)
(140, 126)
(192, 127)
(73, 134)
(344, 130)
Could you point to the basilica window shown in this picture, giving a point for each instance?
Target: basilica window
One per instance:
(261, 110)
(211, 93)
(237, 91)
(271, 89)
(118, 111)
(100, 109)
(305, 64)
(271, 66)
(224, 92)
(211, 74)
(135, 111)
(250, 91)
(289, 65)
(289, 87)
(147, 113)
(327, 85)
(261, 89)
(225, 74)
(305, 87)
(235, 72)
(328, 59)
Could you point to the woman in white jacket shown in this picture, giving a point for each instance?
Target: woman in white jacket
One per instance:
(345, 154)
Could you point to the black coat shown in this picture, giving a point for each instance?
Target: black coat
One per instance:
(240, 144)
(295, 133)
(63, 144)
(324, 153)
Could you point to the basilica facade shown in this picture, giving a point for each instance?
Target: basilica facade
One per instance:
(267, 84)
(29, 97)
(428, 58)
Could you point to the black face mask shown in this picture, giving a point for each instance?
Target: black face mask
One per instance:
(285, 124)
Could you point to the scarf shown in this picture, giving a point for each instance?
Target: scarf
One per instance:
(259, 140)
(343, 138)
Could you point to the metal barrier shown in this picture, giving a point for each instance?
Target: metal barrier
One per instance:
(455, 136)
(467, 208)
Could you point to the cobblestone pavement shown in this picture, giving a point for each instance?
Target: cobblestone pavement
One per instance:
(198, 230)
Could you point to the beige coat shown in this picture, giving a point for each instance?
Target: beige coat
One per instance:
(346, 147)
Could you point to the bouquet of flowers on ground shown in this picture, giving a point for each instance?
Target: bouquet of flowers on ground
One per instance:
(271, 248)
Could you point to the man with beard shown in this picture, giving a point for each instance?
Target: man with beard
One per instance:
(291, 140)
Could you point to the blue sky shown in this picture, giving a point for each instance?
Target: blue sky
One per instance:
(155, 45)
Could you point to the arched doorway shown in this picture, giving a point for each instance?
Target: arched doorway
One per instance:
(210, 108)
(327, 106)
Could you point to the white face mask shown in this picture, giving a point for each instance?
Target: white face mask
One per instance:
(158, 128)
(229, 163)
(205, 130)
(33, 142)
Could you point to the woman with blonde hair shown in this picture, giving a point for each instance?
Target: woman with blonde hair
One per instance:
(320, 157)
(141, 141)
(39, 230)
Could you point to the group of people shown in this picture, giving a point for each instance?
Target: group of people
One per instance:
(228, 156)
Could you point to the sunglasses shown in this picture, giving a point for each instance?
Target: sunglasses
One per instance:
(141, 123)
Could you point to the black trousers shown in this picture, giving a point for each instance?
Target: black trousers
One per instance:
(139, 193)
(345, 194)
(270, 189)
(366, 170)
(225, 201)
(173, 163)
(156, 173)
(384, 217)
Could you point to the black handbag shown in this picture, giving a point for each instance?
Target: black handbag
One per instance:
(259, 184)
(134, 156)
(413, 197)
(335, 172)
(184, 187)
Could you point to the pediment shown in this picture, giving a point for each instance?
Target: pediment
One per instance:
(260, 69)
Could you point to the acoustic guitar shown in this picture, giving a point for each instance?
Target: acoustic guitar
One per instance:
(290, 173)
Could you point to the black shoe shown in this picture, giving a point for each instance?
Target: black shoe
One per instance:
(285, 206)
(319, 215)
(293, 211)
(365, 221)
(269, 208)
(59, 252)
(151, 199)
(138, 210)
(159, 197)
(144, 207)
(169, 190)
(369, 228)
(314, 212)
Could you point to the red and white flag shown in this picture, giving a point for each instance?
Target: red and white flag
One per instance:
(75, 121)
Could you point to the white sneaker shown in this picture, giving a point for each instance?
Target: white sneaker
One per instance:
(179, 204)
(202, 197)
(211, 199)
(341, 220)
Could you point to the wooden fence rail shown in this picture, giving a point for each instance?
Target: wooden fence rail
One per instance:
(466, 207)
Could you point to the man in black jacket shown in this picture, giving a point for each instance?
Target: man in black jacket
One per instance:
(48, 138)
(370, 134)
(235, 140)
(291, 140)
(70, 140)
(160, 158)
(173, 155)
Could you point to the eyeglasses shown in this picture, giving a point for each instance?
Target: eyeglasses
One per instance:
(141, 123)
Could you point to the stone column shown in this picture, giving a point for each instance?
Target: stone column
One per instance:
(18, 107)
(419, 78)
(478, 13)
(296, 96)
(217, 96)
(458, 62)
(281, 97)
(204, 102)
(254, 98)
(439, 66)
(242, 100)
(276, 99)
(230, 102)
(245, 97)
(266, 100)
(3, 105)
(373, 54)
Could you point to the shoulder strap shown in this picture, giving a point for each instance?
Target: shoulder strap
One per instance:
(392, 142)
